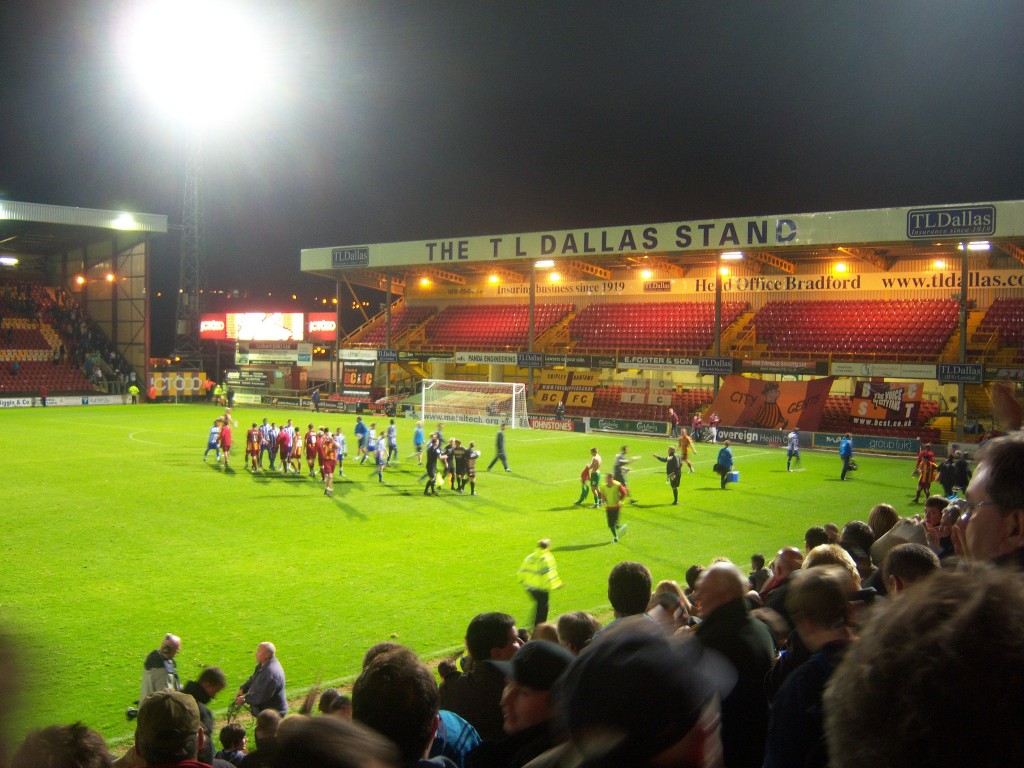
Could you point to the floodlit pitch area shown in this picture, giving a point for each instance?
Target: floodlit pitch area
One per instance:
(115, 532)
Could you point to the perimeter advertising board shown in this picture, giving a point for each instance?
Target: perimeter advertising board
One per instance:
(178, 383)
(904, 445)
(493, 421)
(628, 425)
(568, 424)
(56, 401)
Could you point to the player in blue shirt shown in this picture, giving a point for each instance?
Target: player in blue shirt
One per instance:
(213, 441)
(417, 442)
(360, 431)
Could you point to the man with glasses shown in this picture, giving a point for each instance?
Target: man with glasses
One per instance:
(992, 528)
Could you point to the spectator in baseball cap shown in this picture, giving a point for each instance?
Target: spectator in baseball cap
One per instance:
(168, 730)
(526, 706)
(636, 697)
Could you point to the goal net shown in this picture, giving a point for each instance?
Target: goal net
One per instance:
(474, 402)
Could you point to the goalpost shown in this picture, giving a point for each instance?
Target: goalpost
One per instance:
(475, 402)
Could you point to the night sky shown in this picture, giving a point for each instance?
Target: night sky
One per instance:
(411, 120)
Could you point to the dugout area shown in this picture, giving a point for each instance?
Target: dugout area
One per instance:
(959, 261)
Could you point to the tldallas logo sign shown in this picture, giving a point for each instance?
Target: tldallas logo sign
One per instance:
(965, 221)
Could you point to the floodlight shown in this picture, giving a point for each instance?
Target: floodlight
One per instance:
(840, 267)
(646, 274)
(554, 277)
(8, 261)
(201, 61)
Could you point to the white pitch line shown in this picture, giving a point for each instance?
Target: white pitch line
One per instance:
(132, 436)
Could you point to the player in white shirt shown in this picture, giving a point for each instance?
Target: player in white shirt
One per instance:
(341, 449)
(793, 449)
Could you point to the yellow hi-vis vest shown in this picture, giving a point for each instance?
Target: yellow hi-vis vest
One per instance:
(539, 571)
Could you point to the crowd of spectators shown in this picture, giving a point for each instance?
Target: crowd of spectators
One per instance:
(81, 340)
(853, 648)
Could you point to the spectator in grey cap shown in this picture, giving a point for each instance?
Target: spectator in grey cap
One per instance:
(526, 706)
(169, 731)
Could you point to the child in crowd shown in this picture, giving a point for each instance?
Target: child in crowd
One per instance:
(232, 739)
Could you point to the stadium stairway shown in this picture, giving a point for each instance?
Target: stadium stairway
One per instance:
(740, 337)
(556, 338)
(946, 425)
(413, 368)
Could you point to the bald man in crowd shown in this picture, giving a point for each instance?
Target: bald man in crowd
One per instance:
(265, 688)
(728, 628)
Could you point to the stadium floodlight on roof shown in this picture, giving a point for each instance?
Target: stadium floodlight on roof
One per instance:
(206, 64)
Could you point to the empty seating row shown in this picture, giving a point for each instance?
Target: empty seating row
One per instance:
(909, 328)
(33, 376)
(653, 325)
(402, 319)
(491, 326)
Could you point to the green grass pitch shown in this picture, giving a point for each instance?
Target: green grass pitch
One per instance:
(115, 532)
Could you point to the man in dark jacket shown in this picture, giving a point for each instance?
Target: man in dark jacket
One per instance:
(526, 705)
(211, 682)
(265, 688)
(476, 695)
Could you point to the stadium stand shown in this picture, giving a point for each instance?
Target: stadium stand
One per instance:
(682, 327)
(403, 319)
(491, 327)
(35, 325)
(1005, 316)
(905, 330)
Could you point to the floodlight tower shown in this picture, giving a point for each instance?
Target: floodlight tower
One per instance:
(192, 273)
(205, 63)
